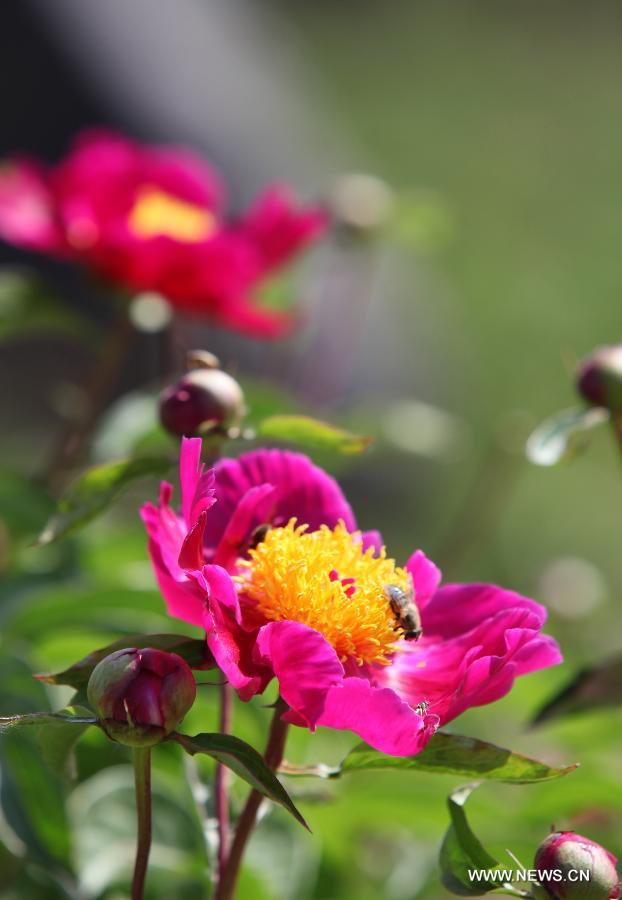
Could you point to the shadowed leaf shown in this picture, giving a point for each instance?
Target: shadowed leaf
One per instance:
(461, 851)
(246, 762)
(95, 490)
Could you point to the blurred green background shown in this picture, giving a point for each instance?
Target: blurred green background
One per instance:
(498, 127)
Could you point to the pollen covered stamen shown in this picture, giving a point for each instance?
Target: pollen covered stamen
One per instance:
(325, 580)
(156, 213)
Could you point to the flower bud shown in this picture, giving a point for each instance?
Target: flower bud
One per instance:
(204, 396)
(572, 855)
(141, 695)
(599, 380)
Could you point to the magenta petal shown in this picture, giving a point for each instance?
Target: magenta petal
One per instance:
(197, 484)
(191, 553)
(378, 716)
(372, 539)
(426, 577)
(301, 490)
(184, 599)
(254, 509)
(232, 647)
(456, 608)
(472, 668)
(222, 590)
(304, 663)
(27, 214)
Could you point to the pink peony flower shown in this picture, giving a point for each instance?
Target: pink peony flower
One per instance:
(151, 218)
(305, 602)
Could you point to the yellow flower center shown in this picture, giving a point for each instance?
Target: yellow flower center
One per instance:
(156, 213)
(325, 580)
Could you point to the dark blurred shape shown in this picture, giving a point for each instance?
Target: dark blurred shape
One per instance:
(599, 380)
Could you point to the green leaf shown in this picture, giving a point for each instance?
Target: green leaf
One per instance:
(57, 740)
(447, 754)
(27, 306)
(592, 688)
(461, 850)
(95, 490)
(242, 759)
(564, 435)
(193, 650)
(311, 433)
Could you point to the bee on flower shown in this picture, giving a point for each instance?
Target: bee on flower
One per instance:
(307, 605)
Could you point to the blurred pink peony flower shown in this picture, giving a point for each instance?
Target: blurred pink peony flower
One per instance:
(307, 605)
(151, 219)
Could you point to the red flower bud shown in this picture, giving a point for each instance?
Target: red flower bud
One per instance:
(141, 696)
(599, 380)
(204, 396)
(571, 854)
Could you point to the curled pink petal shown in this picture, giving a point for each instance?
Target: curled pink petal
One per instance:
(305, 665)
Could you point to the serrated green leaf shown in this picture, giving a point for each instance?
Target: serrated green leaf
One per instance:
(246, 762)
(593, 688)
(447, 754)
(192, 650)
(564, 435)
(58, 739)
(95, 490)
(312, 433)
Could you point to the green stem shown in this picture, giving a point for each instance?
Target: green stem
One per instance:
(142, 781)
(273, 757)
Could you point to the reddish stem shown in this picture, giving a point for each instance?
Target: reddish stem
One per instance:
(273, 756)
(221, 782)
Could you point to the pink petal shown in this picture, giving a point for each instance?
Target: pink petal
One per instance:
(184, 600)
(232, 647)
(457, 608)
(197, 484)
(278, 228)
(254, 509)
(28, 216)
(426, 577)
(378, 716)
(372, 539)
(305, 665)
(301, 490)
(473, 668)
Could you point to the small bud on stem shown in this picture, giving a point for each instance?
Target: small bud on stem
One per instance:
(588, 870)
(205, 396)
(141, 695)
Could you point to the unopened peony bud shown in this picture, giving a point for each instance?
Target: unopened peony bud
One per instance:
(571, 855)
(205, 396)
(599, 380)
(141, 695)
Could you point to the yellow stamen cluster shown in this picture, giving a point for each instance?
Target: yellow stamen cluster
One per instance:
(156, 213)
(325, 580)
